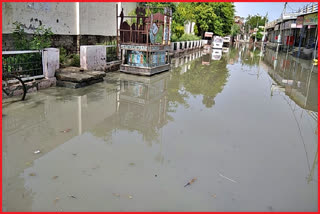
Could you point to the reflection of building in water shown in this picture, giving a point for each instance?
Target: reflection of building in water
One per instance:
(206, 59)
(298, 77)
(216, 54)
(186, 60)
(142, 104)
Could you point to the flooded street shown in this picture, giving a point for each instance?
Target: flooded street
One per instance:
(244, 125)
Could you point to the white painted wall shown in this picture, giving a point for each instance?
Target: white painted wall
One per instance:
(187, 29)
(93, 57)
(94, 18)
(50, 62)
(98, 18)
(59, 16)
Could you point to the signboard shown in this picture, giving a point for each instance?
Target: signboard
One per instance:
(135, 47)
(288, 24)
(299, 21)
(293, 25)
(208, 34)
(311, 19)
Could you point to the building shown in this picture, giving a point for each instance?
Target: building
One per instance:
(295, 30)
(73, 23)
(189, 27)
(240, 22)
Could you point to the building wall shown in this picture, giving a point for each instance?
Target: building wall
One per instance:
(94, 22)
(59, 16)
(98, 18)
(187, 29)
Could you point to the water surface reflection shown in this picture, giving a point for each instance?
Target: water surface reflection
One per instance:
(250, 116)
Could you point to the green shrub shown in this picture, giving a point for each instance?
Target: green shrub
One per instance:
(75, 60)
(188, 37)
(62, 55)
(41, 38)
(20, 37)
(174, 38)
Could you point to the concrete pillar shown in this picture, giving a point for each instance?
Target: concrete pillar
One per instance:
(172, 46)
(176, 63)
(183, 45)
(178, 46)
(93, 57)
(50, 62)
(188, 42)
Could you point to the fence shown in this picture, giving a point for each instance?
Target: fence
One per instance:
(111, 53)
(309, 8)
(186, 45)
(26, 64)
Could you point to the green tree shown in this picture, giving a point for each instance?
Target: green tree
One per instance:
(235, 29)
(255, 21)
(216, 17)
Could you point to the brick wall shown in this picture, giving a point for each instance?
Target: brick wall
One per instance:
(69, 42)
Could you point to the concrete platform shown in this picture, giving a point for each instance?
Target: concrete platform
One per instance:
(144, 71)
(74, 77)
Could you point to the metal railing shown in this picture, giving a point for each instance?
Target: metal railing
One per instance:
(309, 8)
(25, 64)
(111, 53)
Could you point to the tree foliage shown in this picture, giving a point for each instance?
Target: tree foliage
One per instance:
(255, 21)
(235, 29)
(216, 17)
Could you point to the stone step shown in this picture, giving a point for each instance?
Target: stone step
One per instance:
(74, 77)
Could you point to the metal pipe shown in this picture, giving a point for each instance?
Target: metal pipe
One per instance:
(117, 31)
(316, 45)
(300, 41)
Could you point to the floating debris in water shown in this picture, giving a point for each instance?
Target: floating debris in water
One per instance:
(192, 181)
(56, 200)
(227, 178)
(214, 196)
(72, 196)
(130, 197)
(74, 154)
(32, 174)
(55, 177)
(116, 195)
(67, 130)
(36, 152)
(132, 164)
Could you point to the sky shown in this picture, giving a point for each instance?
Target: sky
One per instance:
(274, 9)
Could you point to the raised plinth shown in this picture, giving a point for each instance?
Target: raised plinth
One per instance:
(73, 77)
(145, 71)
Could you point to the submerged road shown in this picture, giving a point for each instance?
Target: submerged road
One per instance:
(239, 127)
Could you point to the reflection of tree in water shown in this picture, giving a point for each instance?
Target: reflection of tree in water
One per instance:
(206, 80)
(146, 120)
(175, 95)
(233, 55)
(250, 57)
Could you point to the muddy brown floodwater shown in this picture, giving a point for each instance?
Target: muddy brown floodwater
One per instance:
(240, 127)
